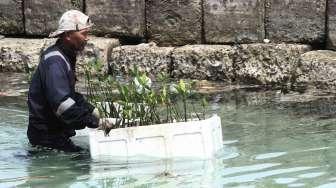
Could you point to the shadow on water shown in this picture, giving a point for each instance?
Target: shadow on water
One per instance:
(54, 169)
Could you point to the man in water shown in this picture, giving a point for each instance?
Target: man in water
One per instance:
(56, 110)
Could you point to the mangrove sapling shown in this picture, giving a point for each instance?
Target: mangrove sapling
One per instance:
(136, 102)
(193, 105)
(164, 96)
(183, 91)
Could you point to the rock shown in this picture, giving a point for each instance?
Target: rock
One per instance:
(209, 62)
(301, 21)
(318, 69)
(97, 47)
(11, 17)
(235, 21)
(42, 18)
(117, 17)
(267, 63)
(331, 42)
(19, 55)
(175, 22)
(146, 57)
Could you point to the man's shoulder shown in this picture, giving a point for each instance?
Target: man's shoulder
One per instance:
(49, 49)
(53, 55)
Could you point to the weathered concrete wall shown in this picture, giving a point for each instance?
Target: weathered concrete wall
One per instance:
(268, 63)
(331, 42)
(41, 18)
(117, 17)
(181, 22)
(174, 22)
(247, 63)
(236, 21)
(97, 47)
(208, 62)
(275, 64)
(16, 55)
(318, 69)
(11, 17)
(301, 21)
(147, 57)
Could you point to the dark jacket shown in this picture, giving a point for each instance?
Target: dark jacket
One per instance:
(55, 109)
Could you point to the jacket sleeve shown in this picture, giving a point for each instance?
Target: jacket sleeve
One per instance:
(62, 100)
(80, 100)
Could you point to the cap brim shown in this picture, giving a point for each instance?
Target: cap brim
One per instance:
(58, 32)
(55, 33)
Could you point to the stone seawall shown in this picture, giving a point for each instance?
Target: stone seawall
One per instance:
(246, 64)
(182, 22)
(21, 55)
(258, 63)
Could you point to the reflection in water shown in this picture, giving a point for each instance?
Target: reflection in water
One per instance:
(55, 169)
(158, 173)
(270, 155)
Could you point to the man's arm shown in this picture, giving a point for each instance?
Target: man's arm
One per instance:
(61, 99)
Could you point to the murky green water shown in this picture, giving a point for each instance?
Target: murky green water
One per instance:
(269, 141)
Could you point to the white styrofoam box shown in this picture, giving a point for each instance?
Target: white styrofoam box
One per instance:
(82, 138)
(196, 139)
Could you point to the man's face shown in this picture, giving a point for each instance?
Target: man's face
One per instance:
(78, 39)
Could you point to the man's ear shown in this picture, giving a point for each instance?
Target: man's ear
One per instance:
(67, 36)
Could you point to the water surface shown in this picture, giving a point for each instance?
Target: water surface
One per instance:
(270, 140)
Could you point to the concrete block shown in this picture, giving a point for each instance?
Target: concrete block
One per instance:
(174, 22)
(17, 54)
(268, 63)
(11, 17)
(147, 57)
(300, 21)
(209, 62)
(318, 69)
(42, 18)
(331, 41)
(117, 17)
(235, 21)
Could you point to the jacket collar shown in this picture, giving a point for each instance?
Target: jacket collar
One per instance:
(69, 53)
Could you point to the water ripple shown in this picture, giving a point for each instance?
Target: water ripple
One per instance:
(259, 175)
(257, 167)
(328, 185)
(270, 155)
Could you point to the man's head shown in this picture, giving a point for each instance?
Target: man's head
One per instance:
(73, 29)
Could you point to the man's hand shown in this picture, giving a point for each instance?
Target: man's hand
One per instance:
(95, 113)
(106, 124)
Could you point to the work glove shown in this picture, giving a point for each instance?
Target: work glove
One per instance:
(106, 123)
(95, 113)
